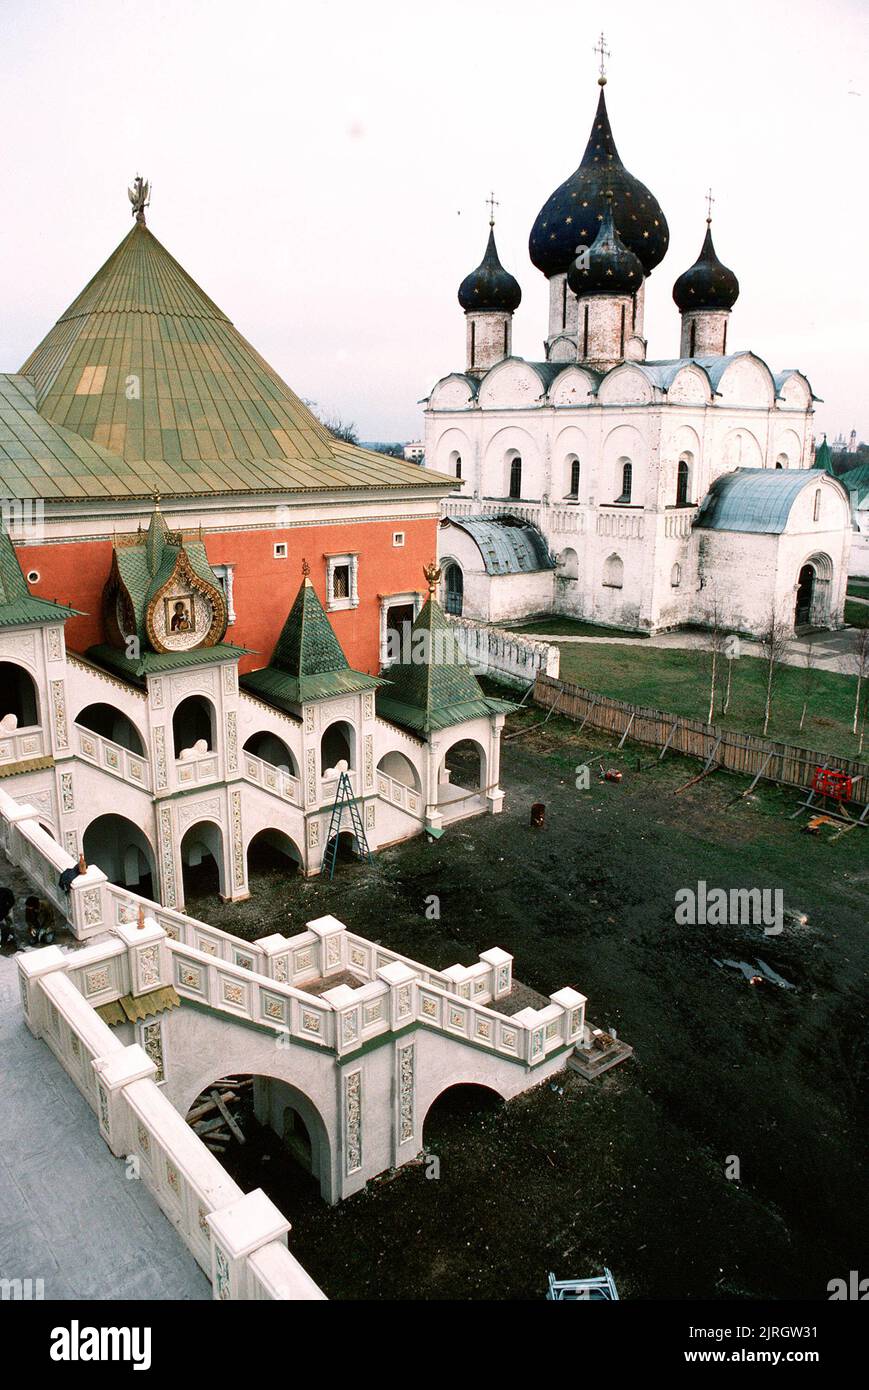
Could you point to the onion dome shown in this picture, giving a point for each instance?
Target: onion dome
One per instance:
(612, 268)
(707, 284)
(571, 216)
(490, 286)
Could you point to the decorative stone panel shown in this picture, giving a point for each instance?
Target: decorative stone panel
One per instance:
(353, 1121)
(405, 1093)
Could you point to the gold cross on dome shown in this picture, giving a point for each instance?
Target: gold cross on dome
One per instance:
(493, 203)
(709, 201)
(601, 49)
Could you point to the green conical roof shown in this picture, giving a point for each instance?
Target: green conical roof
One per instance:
(433, 687)
(17, 604)
(824, 458)
(170, 397)
(308, 662)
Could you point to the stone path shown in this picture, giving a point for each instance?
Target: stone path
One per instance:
(68, 1214)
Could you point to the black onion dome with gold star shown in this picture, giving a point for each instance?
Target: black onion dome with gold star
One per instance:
(572, 215)
(490, 286)
(612, 268)
(707, 284)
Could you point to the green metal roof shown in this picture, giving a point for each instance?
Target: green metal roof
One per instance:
(753, 499)
(308, 662)
(856, 480)
(824, 458)
(147, 567)
(17, 604)
(153, 663)
(434, 687)
(144, 385)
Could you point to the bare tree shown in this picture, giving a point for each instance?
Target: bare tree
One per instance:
(809, 675)
(860, 658)
(715, 648)
(775, 640)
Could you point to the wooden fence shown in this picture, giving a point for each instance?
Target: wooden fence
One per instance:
(749, 754)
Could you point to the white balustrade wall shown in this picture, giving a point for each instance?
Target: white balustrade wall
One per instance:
(506, 656)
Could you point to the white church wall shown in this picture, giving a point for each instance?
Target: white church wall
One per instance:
(503, 445)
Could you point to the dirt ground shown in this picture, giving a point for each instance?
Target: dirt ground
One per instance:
(628, 1171)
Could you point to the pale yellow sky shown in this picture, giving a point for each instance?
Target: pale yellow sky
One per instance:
(321, 170)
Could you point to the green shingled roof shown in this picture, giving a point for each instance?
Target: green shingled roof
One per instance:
(144, 385)
(308, 662)
(438, 688)
(824, 458)
(152, 663)
(17, 604)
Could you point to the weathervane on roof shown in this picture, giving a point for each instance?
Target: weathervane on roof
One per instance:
(493, 203)
(139, 196)
(432, 574)
(601, 48)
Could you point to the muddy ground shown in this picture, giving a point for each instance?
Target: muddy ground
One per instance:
(628, 1171)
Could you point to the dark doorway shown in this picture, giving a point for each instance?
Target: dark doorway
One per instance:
(399, 621)
(805, 594)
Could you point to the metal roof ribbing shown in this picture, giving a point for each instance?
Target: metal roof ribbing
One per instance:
(145, 368)
(753, 499)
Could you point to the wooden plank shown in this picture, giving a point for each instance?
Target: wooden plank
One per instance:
(215, 1096)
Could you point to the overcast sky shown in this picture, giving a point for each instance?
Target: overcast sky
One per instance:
(320, 168)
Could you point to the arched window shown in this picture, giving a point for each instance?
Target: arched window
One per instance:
(816, 515)
(676, 576)
(682, 484)
(573, 488)
(454, 590)
(627, 481)
(613, 572)
(516, 477)
(458, 465)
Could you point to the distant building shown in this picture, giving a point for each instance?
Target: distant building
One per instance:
(415, 452)
(603, 485)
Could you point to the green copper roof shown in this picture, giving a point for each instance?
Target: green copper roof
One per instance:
(308, 662)
(824, 458)
(152, 663)
(147, 567)
(163, 394)
(438, 688)
(17, 604)
(856, 480)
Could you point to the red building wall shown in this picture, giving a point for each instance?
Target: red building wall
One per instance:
(263, 588)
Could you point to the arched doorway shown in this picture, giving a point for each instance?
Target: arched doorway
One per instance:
(271, 857)
(454, 589)
(338, 745)
(400, 769)
(462, 780)
(455, 1110)
(286, 1148)
(121, 849)
(271, 749)
(18, 697)
(113, 724)
(193, 723)
(813, 592)
(805, 596)
(202, 863)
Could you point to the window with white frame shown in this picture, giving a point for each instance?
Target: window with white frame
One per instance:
(224, 575)
(342, 589)
(398, 538)
(280, 550)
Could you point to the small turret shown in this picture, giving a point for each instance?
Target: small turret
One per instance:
(489, 296)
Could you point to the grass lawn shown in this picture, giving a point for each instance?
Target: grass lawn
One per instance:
(857, 614)
(677, 681)
(858, 588)
(570, 627)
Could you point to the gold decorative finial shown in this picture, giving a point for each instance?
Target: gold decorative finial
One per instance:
(493, 203)
(156, 500)
(432, 574)
(139, 196)
(306, 569)
(601, 49)
(709, 201)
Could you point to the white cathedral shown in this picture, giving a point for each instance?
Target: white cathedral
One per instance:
(634, 493)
